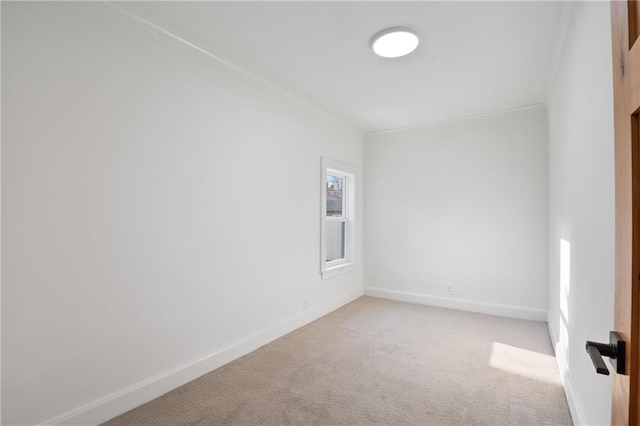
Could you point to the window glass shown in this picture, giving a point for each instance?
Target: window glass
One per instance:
(335, 186)
(335, 234)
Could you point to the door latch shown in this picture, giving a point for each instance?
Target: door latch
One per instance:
(615, 350)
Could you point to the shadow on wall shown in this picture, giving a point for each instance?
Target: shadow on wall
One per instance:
(562, 348)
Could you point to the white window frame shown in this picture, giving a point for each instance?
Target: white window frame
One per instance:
(350, 175)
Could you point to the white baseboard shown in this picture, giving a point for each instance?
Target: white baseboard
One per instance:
(459, 304)
(126, 399)
(575, 408)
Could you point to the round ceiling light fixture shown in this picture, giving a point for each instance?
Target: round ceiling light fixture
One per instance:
(394, 42)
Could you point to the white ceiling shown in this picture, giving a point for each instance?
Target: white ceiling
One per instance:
(473, 57)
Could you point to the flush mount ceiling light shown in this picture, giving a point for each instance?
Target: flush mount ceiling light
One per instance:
(394, 42)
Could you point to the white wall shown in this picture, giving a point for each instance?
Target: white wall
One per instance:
(581, 194)
(161, 212)
(463, 203)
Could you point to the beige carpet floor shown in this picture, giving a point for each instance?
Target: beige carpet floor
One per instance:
(379, 362)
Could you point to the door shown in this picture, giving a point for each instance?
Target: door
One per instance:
(625, 20)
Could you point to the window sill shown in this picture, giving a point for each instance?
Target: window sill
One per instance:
(338, 270)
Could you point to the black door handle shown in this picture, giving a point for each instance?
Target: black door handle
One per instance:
(615, 350)
(596, 351)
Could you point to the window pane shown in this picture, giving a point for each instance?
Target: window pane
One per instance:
(334, 195)
(335, 240)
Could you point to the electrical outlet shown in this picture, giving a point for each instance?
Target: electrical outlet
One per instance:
(305, 303)
(449, 290)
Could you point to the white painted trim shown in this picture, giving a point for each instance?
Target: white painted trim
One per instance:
(133, 396)
(453, 120)
(459, 304)
(339, 270)
(575, 408)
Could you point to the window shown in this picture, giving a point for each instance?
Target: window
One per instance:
(338, 217)
(336, 220)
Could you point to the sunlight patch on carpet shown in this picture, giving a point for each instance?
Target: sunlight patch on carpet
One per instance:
(529, 364)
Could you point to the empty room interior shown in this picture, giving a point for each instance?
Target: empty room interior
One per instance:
(261, 213)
